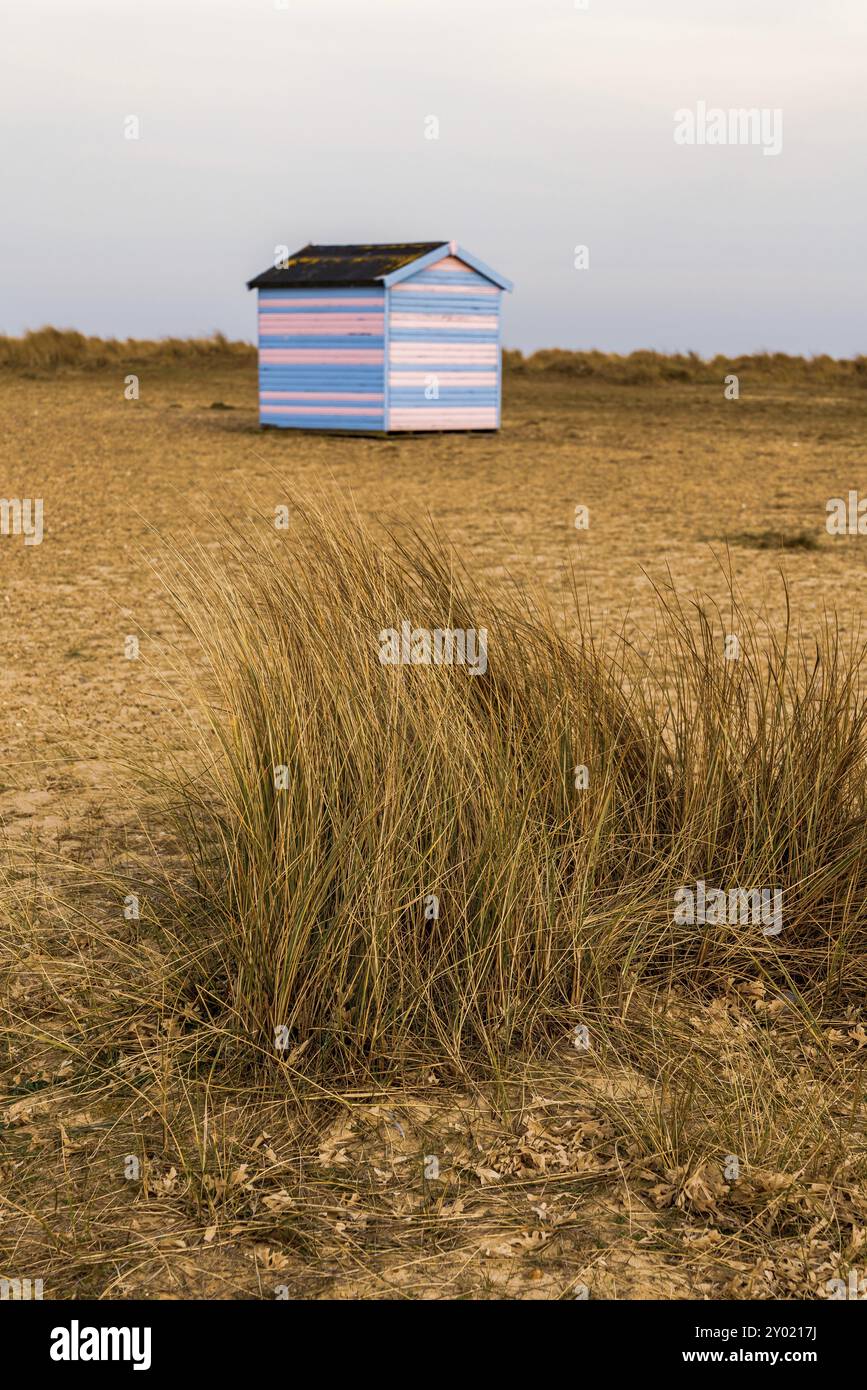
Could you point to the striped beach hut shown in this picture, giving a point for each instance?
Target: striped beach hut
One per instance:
(403, 336)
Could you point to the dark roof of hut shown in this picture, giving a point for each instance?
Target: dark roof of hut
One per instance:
(343, 265)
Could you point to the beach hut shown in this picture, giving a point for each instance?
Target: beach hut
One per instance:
(394, 337)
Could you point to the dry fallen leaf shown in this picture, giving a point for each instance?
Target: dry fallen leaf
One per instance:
(703, 1189)
(165, 1184)
(270, 1259)
(278, 1201)
(332, 1152)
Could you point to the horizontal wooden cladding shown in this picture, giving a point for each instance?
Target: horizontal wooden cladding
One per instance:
(328, 383)
(434, 287)
(314, 356)
(443, 350)
(442, 355)
(457, 323)
(305, 326)
(435, 389)
(455, 275)
(328, 311)
(321, 359)
(320, 421)
(323, 410)
(435, 393)
(322, 325)
(324, 398)
(463, 379)
(362, 300)
(451, 304)
(367, 371)
(446, 400)
(437, 418)
(323, 342)
(456, 267)
(452, 265)
(445, 338)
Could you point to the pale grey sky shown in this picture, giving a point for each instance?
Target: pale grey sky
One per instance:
(263, 125)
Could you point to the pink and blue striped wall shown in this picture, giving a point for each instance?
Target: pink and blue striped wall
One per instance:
(423, 354)
(322, 358)
(444, 350)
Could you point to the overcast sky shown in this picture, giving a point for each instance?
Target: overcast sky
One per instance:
(285, 121)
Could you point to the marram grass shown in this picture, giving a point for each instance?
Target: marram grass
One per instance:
(395, 860)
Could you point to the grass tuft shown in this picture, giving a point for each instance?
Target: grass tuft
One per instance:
(410, 781)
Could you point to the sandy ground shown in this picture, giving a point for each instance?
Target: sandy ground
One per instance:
(667, 474)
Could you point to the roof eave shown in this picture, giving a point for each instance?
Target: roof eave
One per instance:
(477, 265)
(413, 267)
(260, 283)
(448, 248)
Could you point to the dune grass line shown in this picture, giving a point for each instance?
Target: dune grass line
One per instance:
(55, 349)
(49, 350)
